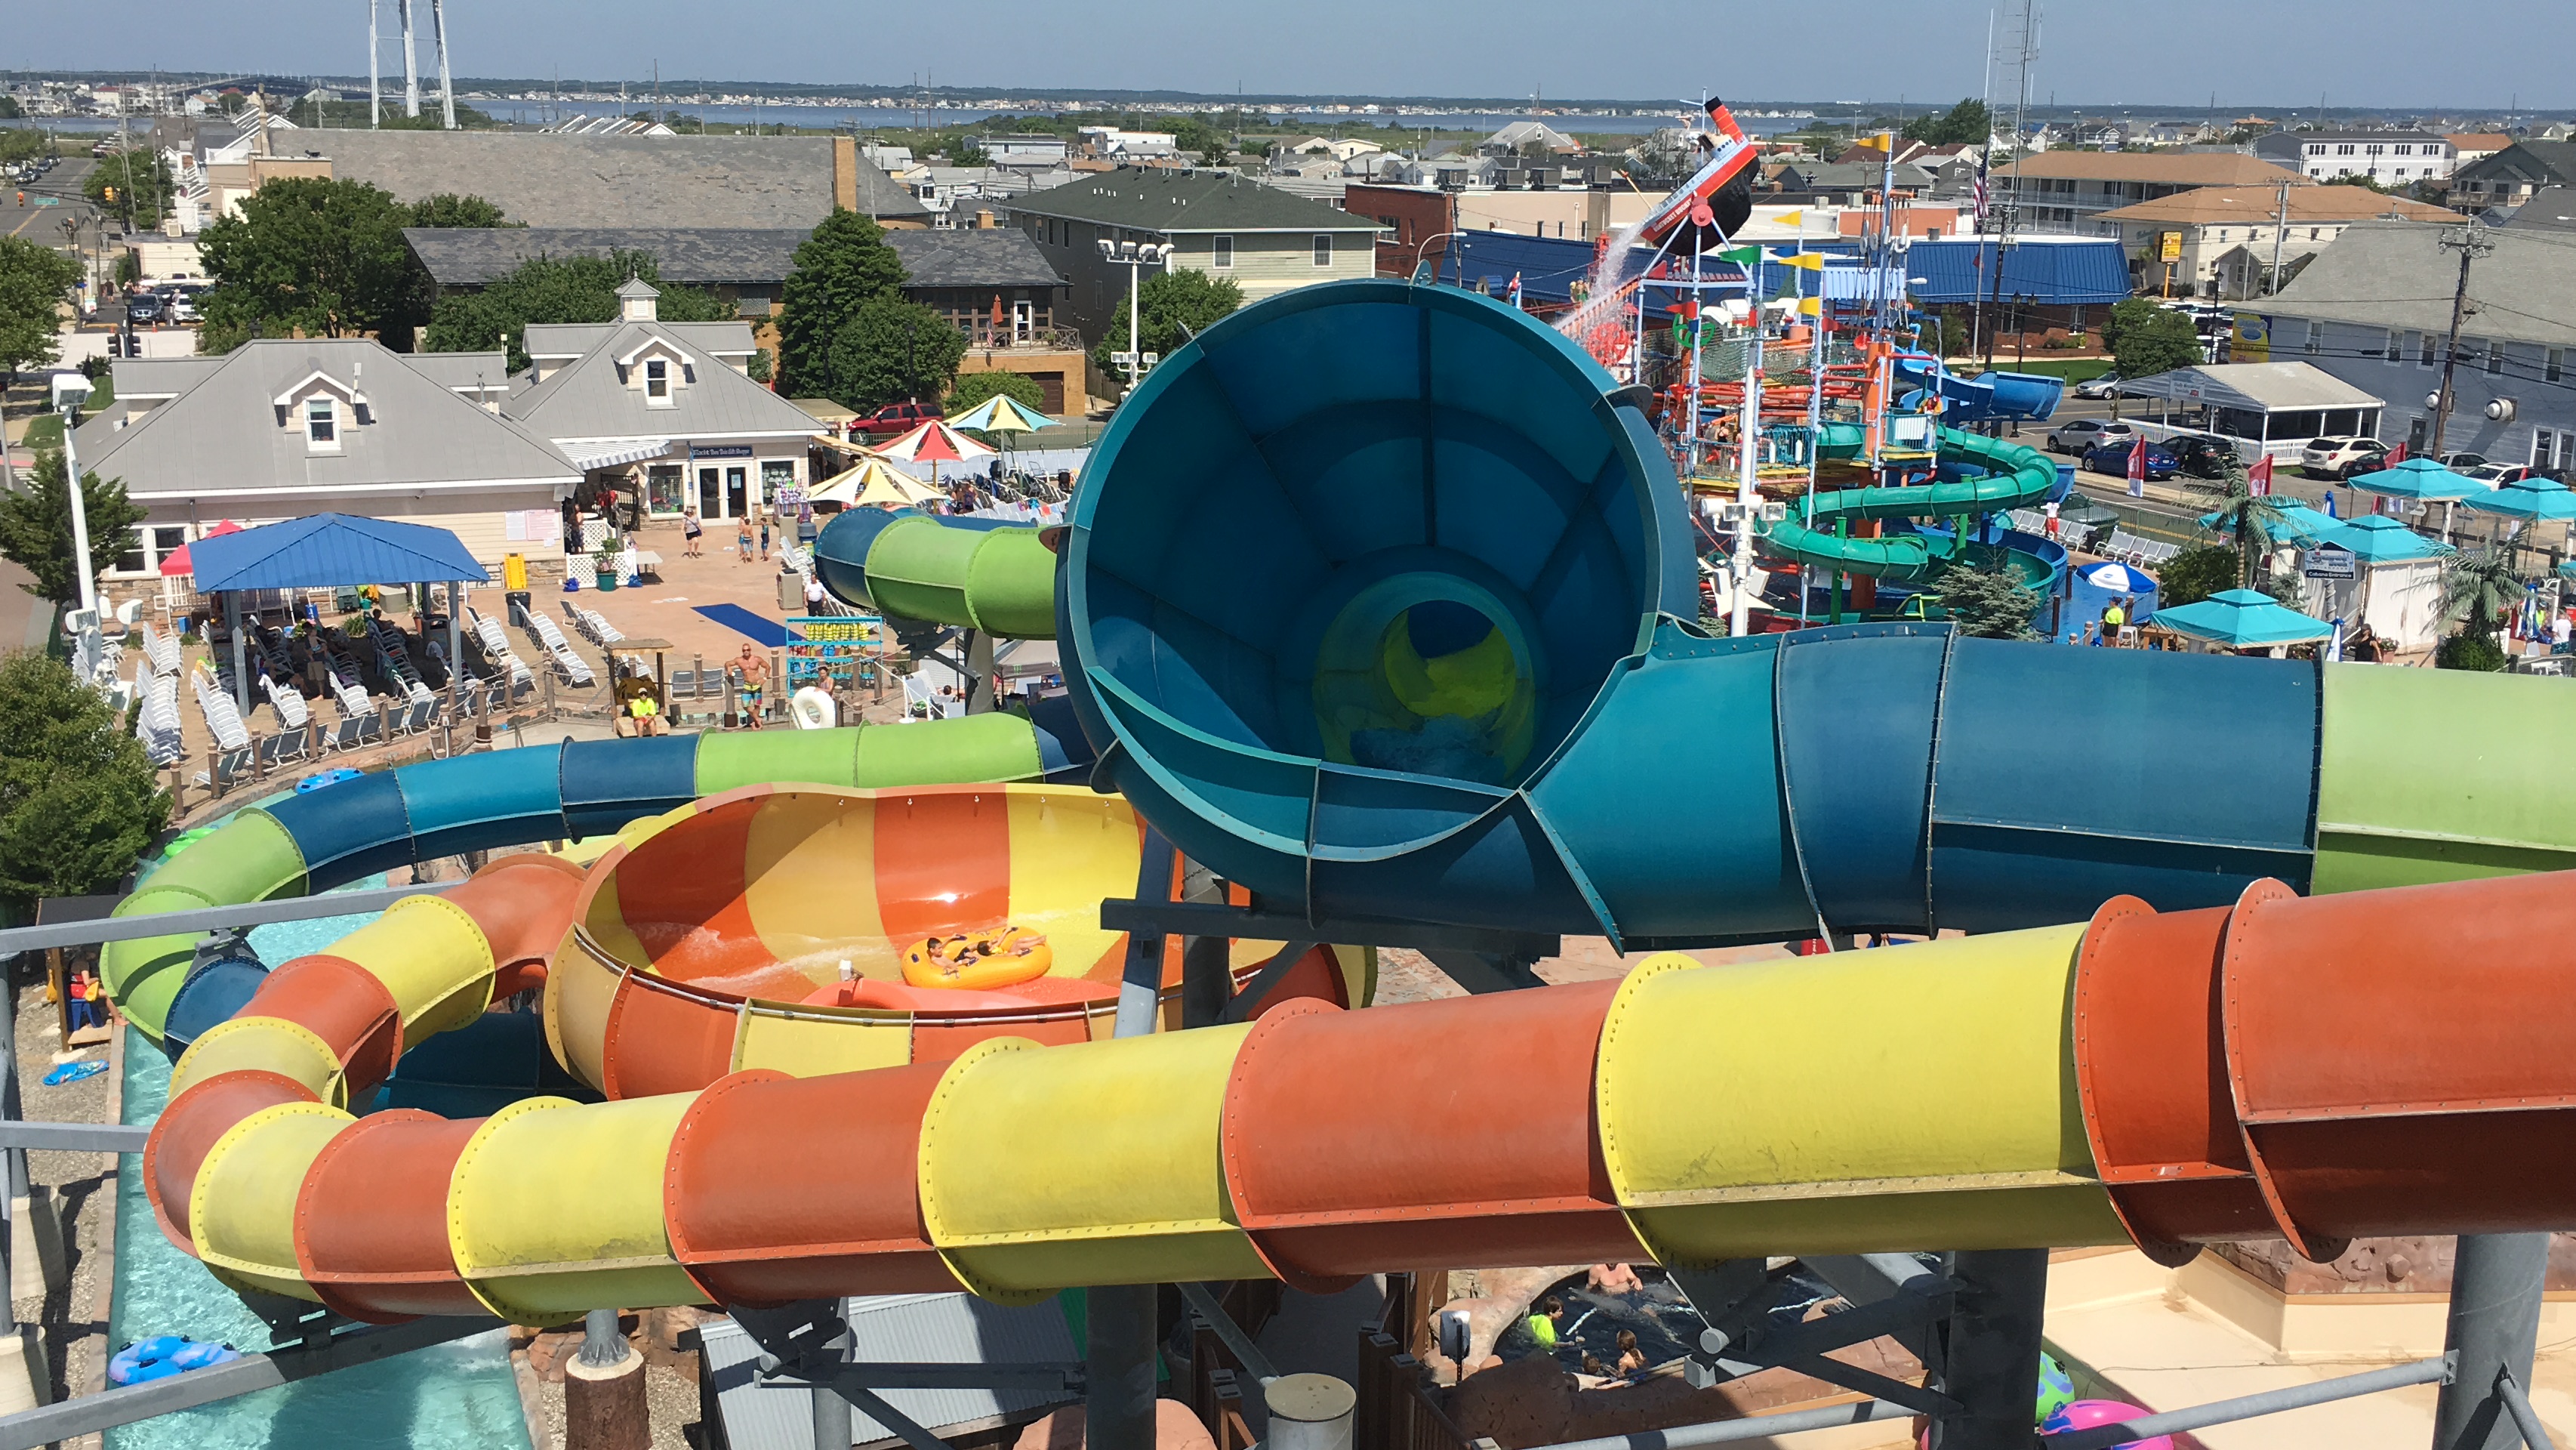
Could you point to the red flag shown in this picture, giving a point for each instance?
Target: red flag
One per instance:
(2259, 477)
(2396, 456)
(2138, 469)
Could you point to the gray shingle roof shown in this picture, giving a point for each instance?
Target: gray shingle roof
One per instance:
(2553, 162)
(699, 256)
(994, 257)
(161, 377)
(2396, 274)
(488, 371)
(573, 339)
(555, 180)
(223, 435)
(589, 399)
(1161, 200)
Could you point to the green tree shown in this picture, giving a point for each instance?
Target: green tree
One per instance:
(2145, 339)
(36, 527)
(447, 209)
(964, 152)
(141, 182)
(2481, 591)
(1986, 603)
(78, 806)
(311, 256)
(33, 282)
(1965, 124)
(889, 350)
(1216, 158)
(2195, 574)
(556, 289)
(2255, 519)
(843, 266)
(9, 108)
(973, 390)
(1167, 303)
(2364, 182)
(23, 145)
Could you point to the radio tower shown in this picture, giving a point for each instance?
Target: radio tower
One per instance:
(2015, 53)
(410, 61)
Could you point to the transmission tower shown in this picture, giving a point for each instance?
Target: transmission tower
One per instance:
(410, 60)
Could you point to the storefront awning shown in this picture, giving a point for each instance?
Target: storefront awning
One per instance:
(592, 454)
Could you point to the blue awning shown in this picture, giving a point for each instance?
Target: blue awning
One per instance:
(324, 551)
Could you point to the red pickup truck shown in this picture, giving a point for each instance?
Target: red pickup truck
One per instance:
(895, 419)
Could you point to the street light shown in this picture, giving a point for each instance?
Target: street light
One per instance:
(1425, 245)
(1136, 258)
(70, 390)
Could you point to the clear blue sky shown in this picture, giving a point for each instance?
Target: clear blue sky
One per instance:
(2253, 53)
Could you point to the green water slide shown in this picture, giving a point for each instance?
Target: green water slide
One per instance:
(975, 573)
(2016, 477)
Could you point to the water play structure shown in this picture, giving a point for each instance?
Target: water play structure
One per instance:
(1378, 602)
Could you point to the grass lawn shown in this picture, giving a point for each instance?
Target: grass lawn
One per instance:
(46, 430)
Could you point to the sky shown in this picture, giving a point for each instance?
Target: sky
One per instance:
(2267, 55)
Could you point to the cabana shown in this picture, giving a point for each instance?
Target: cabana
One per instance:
(326, 551)
(2396, 582)
(2274, 406)
(2241, 619)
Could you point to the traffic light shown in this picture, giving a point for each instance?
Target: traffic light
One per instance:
(111, 196)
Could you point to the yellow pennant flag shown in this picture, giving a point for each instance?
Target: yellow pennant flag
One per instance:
(1796, 218)
(1811, 307)
(1809, 261)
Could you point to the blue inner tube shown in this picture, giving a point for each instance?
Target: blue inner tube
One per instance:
(164, 1355)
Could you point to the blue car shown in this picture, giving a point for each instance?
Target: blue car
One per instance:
(2113, 459)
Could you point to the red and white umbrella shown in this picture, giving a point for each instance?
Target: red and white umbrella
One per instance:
(177, 562)
(934, 443)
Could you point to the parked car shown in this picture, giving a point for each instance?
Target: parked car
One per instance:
(2462, 462)
(182, 307)
(897, 418)
(2497, 475)
(2113, 459)
(2201, 455)
(2336, 457)
(2105, 386)
(2084, 434)
(143, 309)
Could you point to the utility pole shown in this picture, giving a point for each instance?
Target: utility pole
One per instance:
(2280, 229)
(2471, 243)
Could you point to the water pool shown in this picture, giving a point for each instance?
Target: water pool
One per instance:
(458, 1396)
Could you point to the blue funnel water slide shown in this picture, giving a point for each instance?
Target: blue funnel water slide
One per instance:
(1378, 600)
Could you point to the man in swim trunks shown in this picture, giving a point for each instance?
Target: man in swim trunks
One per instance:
(755, 679)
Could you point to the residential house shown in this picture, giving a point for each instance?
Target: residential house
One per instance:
(2510, 176)
(2375, 309)
(1220, 222)
(1109, 143)
(1515, 138)
(279, 428)
(743, 265)
(2552, 208)
(1039, 152)
(2221, 241)
(2063, 191)
(666, 404)
(2390, 158)
(999, 289)
(550, 179)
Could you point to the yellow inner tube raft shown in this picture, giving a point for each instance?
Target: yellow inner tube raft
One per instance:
(978, 961)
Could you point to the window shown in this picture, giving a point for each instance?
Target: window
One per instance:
(130, 560)
(2315, 232)
(1323, 249)
(2403, 149)
(2543, 445)
(1224, 253)
(2372, 150)
(2392, 352)
(2495, 357)
(2345, 150)
(2554, 367)
(2423, 349)
(657, 381)
(2316, 338)
(321, 423)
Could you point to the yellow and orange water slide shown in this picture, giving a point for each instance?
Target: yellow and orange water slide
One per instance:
(2376, 1062)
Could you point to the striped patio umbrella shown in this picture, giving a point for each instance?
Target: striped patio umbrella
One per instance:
(934, 443)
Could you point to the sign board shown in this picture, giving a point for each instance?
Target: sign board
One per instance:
(2328, 561)
(832, 650)
(791, 497)
(2169, 246)
(719, 450)
(2253, 338)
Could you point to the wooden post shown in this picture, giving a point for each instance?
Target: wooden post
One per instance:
(550, 692)
(214, 777)
(178, 789)
(732, 705)
(777, 691)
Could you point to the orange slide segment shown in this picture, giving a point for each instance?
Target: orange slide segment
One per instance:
(2379, 1062)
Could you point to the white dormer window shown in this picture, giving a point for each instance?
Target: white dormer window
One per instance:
(657, 382)
(321, 425)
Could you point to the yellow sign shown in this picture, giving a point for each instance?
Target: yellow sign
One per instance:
(2169, 247)
(2253, 339)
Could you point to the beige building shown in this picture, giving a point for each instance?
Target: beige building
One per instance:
(2221, 241)
(2063, 191)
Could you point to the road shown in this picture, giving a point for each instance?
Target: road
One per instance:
(48, 202)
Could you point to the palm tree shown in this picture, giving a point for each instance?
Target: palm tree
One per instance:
(2257, 520)
(2481, 588)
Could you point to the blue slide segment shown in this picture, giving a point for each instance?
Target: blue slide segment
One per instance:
(2012, 397)
(1269, 561)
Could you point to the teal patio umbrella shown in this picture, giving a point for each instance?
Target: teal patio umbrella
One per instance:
(2379, 539)
(2425, 481)
(2242, 619)
(2529, 499)
(2297, 522)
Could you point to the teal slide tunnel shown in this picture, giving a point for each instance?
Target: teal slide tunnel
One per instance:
(1376, 601)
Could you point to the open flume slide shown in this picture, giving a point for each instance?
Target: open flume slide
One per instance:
(1987, 395)
(2273, 1066)
(1349, 468)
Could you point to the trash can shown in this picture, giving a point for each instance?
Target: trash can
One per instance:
(791, 593)
(519, 601)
